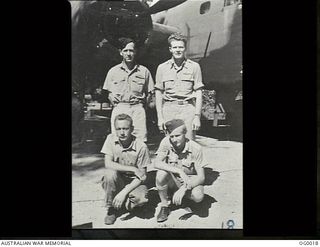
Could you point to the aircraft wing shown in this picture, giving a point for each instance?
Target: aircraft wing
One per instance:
(160, 33)
(164, 29)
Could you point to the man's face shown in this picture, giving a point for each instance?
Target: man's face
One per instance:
(177, 49)
(128, 53)
(178, 137)
(123, 130)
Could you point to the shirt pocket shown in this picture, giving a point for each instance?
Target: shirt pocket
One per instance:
(130, 158)
(118, 84)
(187, 82)
(138, 82)
(187, 76)
(168, 82)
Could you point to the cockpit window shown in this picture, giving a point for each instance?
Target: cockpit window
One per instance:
(205, 7)
(229, 2)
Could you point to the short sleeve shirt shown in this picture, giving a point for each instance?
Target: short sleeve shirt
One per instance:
(178, 83)
(129, 86)
(137, 154)
(189, 159)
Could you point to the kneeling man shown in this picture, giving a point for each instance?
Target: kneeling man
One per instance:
(126, 160)
(180, 163)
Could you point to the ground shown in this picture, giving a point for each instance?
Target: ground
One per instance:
(222, 206)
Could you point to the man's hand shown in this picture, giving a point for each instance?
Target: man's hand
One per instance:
(140, 174)
(151, 102)
(160, 124)
(119, 199)
(178, 196)
(196, 123)
(111, 99)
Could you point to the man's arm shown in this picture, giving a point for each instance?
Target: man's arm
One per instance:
(159, 88)
(194, 181)
(159, 109)
(162, 165)
(110, 164)
(196, 121)
(140, 172)
(149, 90)
(198, 85)
(122, 195)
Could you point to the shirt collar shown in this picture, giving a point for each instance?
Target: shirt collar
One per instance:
(133, 144)
(124, 67)
(186, 148)
(183, 65)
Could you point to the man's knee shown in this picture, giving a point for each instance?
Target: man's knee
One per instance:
(109, 177)
(161, 178)
(197, 194)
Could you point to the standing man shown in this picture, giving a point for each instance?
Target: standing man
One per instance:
(126, 160)
(180, 163)
(179, 88)
(130, 86)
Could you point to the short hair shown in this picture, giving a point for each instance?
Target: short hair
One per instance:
(177, 37)
(123, 116)
(124, 41)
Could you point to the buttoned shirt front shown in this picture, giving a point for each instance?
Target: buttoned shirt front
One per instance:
(137, 154)
(189, 159)
(129, 86)
(178, 83)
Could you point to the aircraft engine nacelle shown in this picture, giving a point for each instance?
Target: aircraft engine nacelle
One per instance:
(127, 19)
(107, 21)
(96, 29)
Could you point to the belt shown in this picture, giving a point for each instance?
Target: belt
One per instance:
(127, 103)
(180, 102)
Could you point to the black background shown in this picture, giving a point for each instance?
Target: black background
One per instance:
(280, 130)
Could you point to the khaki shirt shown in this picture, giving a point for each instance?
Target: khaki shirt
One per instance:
(137, 154)
(189, 159)
(178, 83)
(128, 86)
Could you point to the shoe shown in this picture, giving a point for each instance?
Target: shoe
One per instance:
(110, 216)
(163, 214)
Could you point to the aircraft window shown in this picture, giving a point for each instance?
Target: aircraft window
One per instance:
(205, 7)
(229, 2)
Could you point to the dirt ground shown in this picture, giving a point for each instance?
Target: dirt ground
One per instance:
(221, 208)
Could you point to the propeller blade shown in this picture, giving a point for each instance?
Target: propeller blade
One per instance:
(162, 5)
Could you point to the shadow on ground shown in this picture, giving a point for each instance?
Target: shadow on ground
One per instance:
(83, 226)
(200, 209)
(87, 164)
(147, 211)
(210, 176)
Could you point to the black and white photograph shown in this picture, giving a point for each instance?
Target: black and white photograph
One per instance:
(157, 114)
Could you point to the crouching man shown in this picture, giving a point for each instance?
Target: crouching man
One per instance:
(126, 160)
(180, 164)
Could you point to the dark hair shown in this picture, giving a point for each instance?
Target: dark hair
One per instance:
(123, 116)
(124, 41)
(178, 37)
